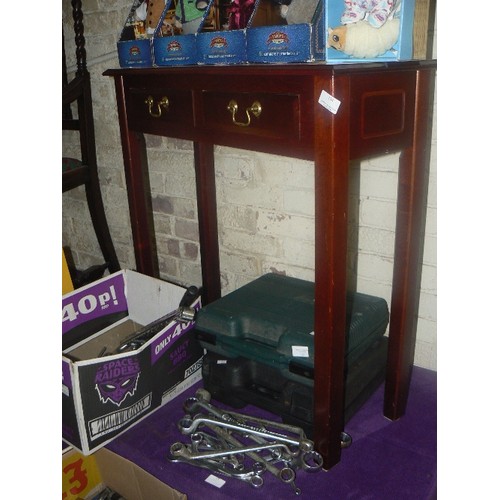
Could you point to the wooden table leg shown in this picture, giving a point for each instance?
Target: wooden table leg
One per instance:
(207, 220)
(138, 189)
(331, 188)
(410, 227)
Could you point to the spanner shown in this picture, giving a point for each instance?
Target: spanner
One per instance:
(180, 449)
(200, 401)
(252, 477)
(287, 475)
(310, 461)
(188, 425)
(201, 397)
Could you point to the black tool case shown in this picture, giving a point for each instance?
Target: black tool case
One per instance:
(260, 347)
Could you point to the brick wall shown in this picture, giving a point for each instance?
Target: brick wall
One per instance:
(266, 202)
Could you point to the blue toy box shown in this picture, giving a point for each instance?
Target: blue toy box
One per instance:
(134, 46)
(401, 50)
(308, 41)
(286, 43)
(224, 46)
(170, 49)
(144, 44)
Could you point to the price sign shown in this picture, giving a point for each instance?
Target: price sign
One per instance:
(80, 475)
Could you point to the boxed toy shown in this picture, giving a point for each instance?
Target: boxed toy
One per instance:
(222, 40)
(174, 40)
(115, 370)
(375, 30)
(293, 39)
(134, 43)
(336, 31)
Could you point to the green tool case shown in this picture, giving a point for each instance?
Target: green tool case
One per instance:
(271, 321)
(260, 348)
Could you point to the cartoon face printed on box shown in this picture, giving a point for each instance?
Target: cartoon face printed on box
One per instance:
(117, 379)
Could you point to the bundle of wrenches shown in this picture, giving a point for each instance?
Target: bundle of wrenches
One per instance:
(183, 314)
(241, 446)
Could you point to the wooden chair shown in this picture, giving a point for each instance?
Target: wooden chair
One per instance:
(83, 171)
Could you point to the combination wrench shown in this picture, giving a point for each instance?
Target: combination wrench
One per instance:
(187, 425)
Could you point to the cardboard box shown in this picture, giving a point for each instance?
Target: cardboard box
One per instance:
(171, 48)
(307, 42)
(288, 43)
(103, 395)
(134, 43)
(132, 481)
(83, 477)
(224, 45)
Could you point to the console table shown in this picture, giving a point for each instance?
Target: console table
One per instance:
(384, 107)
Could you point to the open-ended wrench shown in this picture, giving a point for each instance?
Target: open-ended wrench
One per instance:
(286, 475)
(180, 449)
(187, 425)
(310, 461)
(202, 399)
(199, 401)
(252, 476)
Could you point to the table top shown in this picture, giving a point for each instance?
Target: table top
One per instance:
(305, 68)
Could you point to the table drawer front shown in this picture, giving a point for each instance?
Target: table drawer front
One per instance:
(258, 114)
(160, 110)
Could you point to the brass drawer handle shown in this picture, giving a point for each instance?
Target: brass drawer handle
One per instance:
(255, 109)
(163, 103)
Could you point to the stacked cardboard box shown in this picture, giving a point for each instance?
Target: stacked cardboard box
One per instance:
(105, 390)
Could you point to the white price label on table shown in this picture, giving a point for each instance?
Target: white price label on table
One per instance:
(329, 102)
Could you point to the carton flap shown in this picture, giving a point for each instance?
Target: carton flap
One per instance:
(150, 298)
(130, 480)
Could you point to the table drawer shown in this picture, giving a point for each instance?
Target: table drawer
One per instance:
(160, 110)
(239, 117)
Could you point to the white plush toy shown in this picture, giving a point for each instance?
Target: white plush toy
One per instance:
(370, 29)
(362, 40)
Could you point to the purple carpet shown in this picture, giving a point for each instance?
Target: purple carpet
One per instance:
(387, 460)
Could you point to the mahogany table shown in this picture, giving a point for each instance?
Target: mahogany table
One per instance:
(384, 107)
